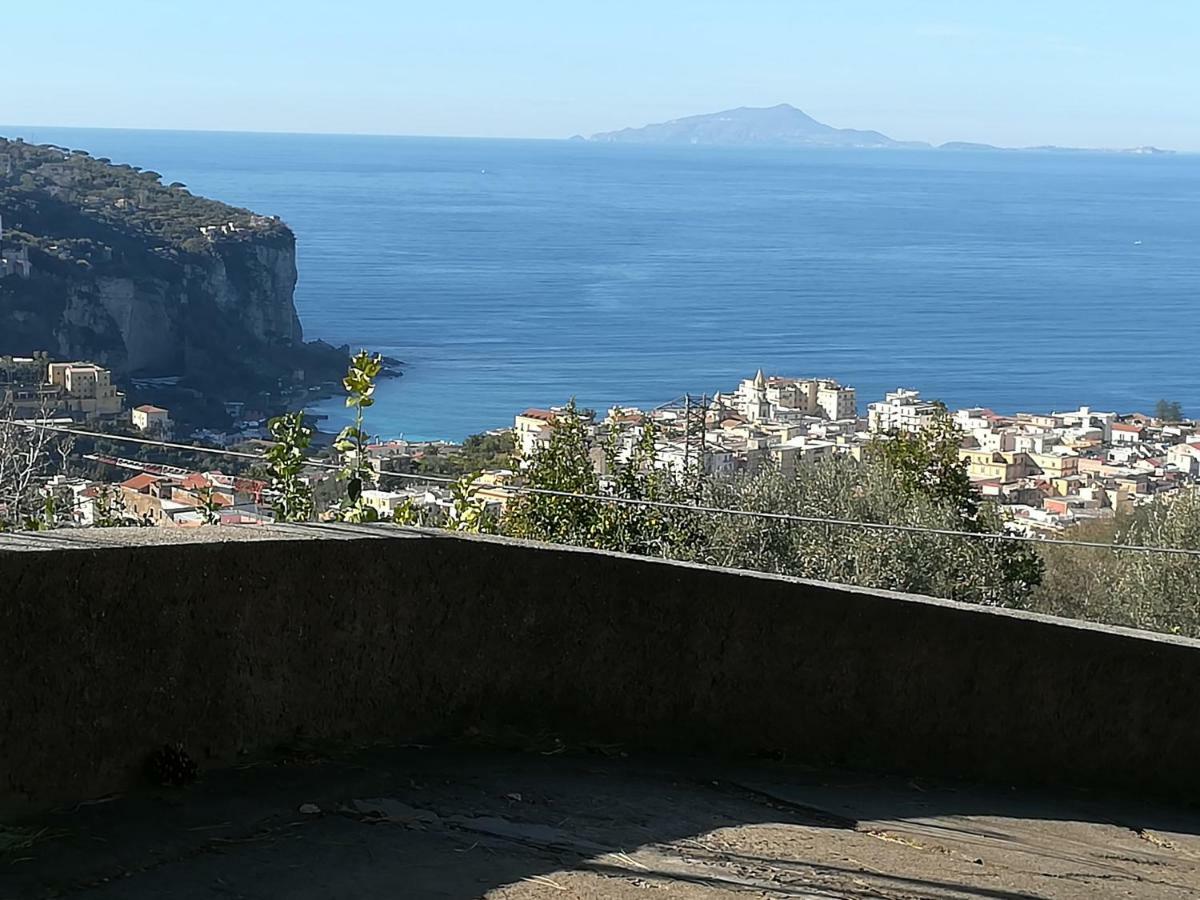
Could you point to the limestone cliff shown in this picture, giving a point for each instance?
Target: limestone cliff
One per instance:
(144, 278)
(219, 309)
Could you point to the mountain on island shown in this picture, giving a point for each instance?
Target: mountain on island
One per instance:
(785, 126)
(774, 126)
(967, 145)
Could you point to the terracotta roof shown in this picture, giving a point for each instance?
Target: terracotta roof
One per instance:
(544, 414)
(194, 500)
(141, 482)
(1121, 426)
(147, 408)
(195, 481)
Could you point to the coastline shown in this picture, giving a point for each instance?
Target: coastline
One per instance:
(537, 280)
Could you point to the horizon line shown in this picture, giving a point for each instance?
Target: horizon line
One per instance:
(586, 139)
(286, 133)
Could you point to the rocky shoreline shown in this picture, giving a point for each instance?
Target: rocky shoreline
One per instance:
(188, 301)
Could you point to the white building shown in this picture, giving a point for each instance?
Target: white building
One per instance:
(384, 502)
(80, 508)
(901, 410)
(751, 399)
(1034, 441)
(1185, 458)
(151, 418)
(760, 399)
(836, 401)
(532, 429)
(1085, 420)
(1124, 433)
(800, 451)
(975, 418)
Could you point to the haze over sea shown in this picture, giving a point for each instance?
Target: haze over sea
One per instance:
(508, 274)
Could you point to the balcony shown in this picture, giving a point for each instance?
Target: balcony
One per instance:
(381, 713)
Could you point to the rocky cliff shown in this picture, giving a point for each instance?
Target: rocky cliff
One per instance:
(224, 308)
(145, 278)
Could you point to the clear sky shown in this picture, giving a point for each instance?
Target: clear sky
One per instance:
(1017, 72)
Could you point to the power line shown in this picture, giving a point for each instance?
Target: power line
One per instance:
(655, 504)
(844, 523)
(130, 439)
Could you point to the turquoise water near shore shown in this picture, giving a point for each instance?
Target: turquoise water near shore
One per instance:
(509, 274)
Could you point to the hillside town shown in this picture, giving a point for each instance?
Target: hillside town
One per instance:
(1048, 471)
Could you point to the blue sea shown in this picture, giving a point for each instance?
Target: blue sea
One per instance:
(508, 274)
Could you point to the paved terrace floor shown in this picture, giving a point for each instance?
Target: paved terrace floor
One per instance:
(471, 822)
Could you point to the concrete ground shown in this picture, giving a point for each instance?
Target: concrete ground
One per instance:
(458, 823)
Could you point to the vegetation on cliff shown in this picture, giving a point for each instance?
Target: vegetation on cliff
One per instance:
(74, 212)
(147, 278)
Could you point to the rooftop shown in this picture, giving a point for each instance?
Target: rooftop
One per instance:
(554, 722)
(140, 482)
(551, 822)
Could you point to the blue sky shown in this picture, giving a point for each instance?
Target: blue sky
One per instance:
(1095, 73)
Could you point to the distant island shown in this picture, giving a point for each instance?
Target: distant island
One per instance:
(784, 125)
(774, 126)
(1051, 148)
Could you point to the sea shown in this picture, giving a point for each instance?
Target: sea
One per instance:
(507, 274)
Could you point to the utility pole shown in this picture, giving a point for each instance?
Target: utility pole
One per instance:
(687, 432)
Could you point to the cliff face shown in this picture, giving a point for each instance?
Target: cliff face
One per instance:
(143, 278)
(226, 309)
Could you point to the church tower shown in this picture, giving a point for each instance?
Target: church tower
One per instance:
(760, 406)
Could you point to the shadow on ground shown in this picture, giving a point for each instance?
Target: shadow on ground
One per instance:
(458, 823)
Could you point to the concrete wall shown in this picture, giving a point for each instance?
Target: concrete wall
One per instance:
(113, 642)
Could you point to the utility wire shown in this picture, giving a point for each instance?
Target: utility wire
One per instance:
(654, 504)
